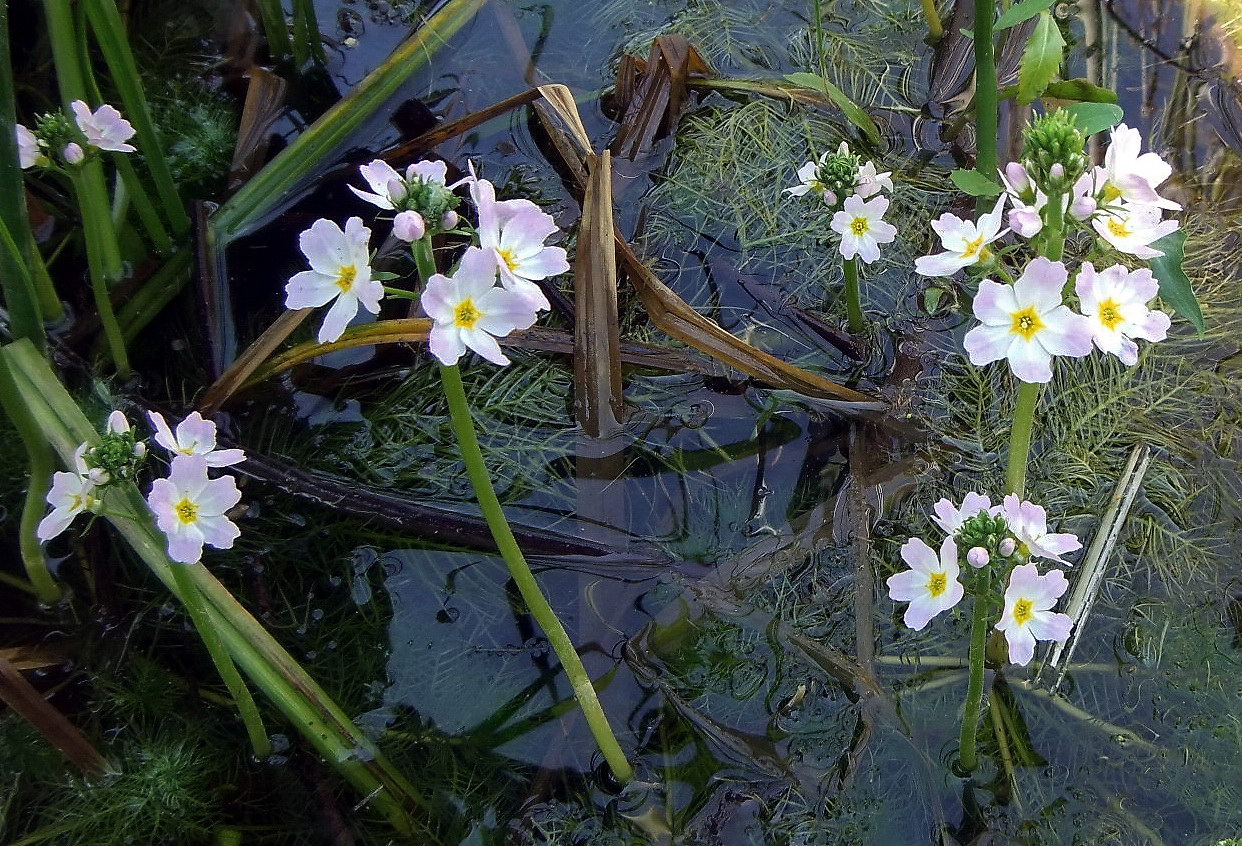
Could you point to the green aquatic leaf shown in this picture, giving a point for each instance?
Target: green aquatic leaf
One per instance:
(852, 110)
(1082, 90)
(1041, 59)
(1019, 12)
(975, 184)
(1175, 288)
(1095, 117)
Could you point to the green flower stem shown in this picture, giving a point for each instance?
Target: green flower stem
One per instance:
(424, 258)
(853, 301)
(399, 293)
(985, 94)
(194, 604)
(935, 30)
(97, 223)
(275, 28)
(142, 204)
(1020, 437)
(967, 756)
(1054, 228)
(536, 602)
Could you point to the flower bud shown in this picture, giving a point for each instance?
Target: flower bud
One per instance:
(396, 190)
(140, 449)
(450, 220)
(1016, 175)
(98, 475)
(1054, 155)
(1007, 547)
(1057, 172)
(73, 153)
(409, 226)
(1083, 207)
(117, 424)
(977, 557)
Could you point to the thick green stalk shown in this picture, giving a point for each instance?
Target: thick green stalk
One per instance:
(1020, 437)
(306, 38)
(97, 226)
(985, 94)
(113, 41)
(193, 601)
(853, 300)
(275, 28)
(935, 29)
(967, 756)
(519, 570)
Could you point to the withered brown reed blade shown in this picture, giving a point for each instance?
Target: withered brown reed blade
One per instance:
(56, 729)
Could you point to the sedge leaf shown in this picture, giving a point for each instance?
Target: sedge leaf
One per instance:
(1174, 285)
(1041, 60)
(1019, 12)
(975, 184)
(852, 110)
(1095, 117)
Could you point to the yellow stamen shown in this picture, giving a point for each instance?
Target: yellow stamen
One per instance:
(345, 281)
(1023, 611)
(1111, 193)
(1026, 323)
(1118, 228)
(507, 257)
(466, 315)
(973, 248)
(1110, 313)
(937, 584)
(187, 511)
(860, 226)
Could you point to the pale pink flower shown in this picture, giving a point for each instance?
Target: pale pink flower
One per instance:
(105, 128)
(190, 509)
(1028, 523)
(470, 311)
(1026, 201)
(71, 494)
(930, 585)
(390, 187)
(1131, 228)
(340, 270)
(28, 152)
(195, 435)
(1027, 323)
(871, 183)
(1133, 177)
(1028, 616)
(512, 233)
(862, 228)
(1115, 302)
(950, 518)
(409, 226)
(965, 242)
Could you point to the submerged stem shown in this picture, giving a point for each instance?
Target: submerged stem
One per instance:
(853, 300)
(97, 226)
(967, 756)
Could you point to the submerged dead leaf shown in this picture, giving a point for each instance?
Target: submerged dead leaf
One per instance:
(265, 102)
(56, 729)
(652, 94)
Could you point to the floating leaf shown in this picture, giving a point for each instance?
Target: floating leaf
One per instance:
(1041, 60)
(1019, 12)
(1095, 117)
(1082, 90)
(851, 109)
(1175, 286)
(975, 184)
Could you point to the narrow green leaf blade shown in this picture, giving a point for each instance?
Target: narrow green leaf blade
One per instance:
(1041, 60)
(852, 110)
(1175, 288)
(1019, 12)
(1095, 117)
(975, 184)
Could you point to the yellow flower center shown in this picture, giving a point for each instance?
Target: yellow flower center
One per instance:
(1110, 313)
(466, 315)
(187, 511)
(80, 502)
(1027, 323)
(1118, 228)
(1111, 193)
(860, 226)
(345, 281)
(974, 248)
(937, 584)
(507, 257)
(1023, 611)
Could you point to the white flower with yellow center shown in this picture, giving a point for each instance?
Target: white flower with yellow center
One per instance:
(470, 311)
(340, 270)
(1027, 323)
(28, 152)
(104, 128)
(71, 494)
(195, 435)
(190, 509)
(1114, 301)
(1130, 228)
(862, 228)
(1132, 177)
(930, 585)
(513, 233)
(950, 518)
(1028, 523)
(965, 242)
(1028, 616)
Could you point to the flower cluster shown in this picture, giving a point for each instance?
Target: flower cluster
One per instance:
(55, 141)
(494, 289)
(999, 542)
(190, 507)
(850, 186)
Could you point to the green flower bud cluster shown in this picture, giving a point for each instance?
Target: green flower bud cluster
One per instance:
(838, 174)
(55, 132)
(430, 199)
(1054, 154)
(118, 455)
(983, 530)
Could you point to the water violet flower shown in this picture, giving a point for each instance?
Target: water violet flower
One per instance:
(194, 436)
(1025, 199)
(1130, 228)
(28, 152)
(512, 233)
(1029, 524)
(871, 183)
(950, 518)
(862, 228)
(1028, 616)
(1114, 301)
(1027, 323)
(930, 585)
(834, 176)
(105, 128)
(1133, 177)
(70, 495)
(190, 509)
(470, 311)
(340, 269)
(965, 242)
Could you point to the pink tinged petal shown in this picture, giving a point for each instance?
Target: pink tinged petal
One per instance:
(476, 273)
(549, 261)
(906, 585)
(1041, 284)
(1051, 626)
(310, 289)
(1029, 361)
(219, 532)
(446, 344)
(185, 545)
(840, 222)
(188, 474)
(920, 611)
(985, 344)
(428, 171)
(484, 195)
(1065, 333)
(506, 210)
(531, 292)
(378, 200)
(379, 175)
(851, 245)
(504, 311)
(524, 234)
(409, 226)
(989, 224)
(337, 319)
(1060, 543)
(884, 233)
(1153, 327)
(995, 303)
(323, 244)
(438, 299)
(941, 264)
(224, 457)
(951, 226)
(369, 294)
(194, 429)
(358, 245)
(946, 516)
(868, 250)
(1087, 285)
(1126, 352)
(218, 496)
(919, 556)
(27, 146)
(1025, 221)
(975, 503)
(485, 345)
(163, 434)
(1021, 645)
